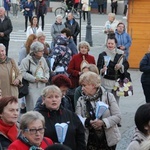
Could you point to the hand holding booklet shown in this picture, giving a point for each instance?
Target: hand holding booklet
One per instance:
(101, 107)
(61, 130)
(106, 62)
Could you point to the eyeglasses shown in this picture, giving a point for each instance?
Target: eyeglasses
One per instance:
(34, 131)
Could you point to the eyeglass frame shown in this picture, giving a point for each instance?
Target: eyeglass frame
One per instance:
(34, 131)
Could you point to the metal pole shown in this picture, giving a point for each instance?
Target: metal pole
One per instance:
(80, 22)
(88, 37)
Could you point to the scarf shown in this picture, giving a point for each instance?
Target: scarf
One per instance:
(10, 131)
(94, 97)
(2, 61)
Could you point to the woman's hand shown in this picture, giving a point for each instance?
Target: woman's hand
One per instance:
(43, 80)
(16, 82)
(117, 66)
(97, 124)
(104, 68)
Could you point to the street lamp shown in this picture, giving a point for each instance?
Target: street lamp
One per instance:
(88, 36)
(80, 22)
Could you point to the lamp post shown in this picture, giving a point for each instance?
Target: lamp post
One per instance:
(80, 22)
(88, 37)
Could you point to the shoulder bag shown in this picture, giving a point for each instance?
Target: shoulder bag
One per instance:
(23, 90)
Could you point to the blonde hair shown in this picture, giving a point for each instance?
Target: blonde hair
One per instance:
(51, 89)
(92, 68)
(84, 43)
(112, 15)
(90, 78)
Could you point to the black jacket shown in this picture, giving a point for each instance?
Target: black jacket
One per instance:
(6, 28)
(111, 73)
(74, 28)
(145, 68)
(4, 142)
(75, 137)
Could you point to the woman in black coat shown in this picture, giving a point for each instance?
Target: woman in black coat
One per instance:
(54, 113)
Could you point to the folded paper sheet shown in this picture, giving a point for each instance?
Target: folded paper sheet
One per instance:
(61, 130)
(101, 107)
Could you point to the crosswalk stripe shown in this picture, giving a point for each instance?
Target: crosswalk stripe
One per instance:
(20, 35)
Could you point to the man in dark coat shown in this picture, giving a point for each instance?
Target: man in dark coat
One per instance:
(73, 26)
(5, 29)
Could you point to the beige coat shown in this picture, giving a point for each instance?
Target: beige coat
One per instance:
(111, 117)
(5, 78)
(35, 88)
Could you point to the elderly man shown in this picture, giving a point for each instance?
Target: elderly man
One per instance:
(73, 26)
(5, 28)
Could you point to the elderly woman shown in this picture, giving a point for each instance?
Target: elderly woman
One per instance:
(35, 70)
(10, 76)
(55, 113)
(111, 24)
(142, 130)
(115, 68)
(32, 126)
(56, 29)
(78, 62)
(101, 133)
(78, 90)
(34, 28)
(9, 112)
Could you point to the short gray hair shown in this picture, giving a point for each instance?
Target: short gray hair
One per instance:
(51, 89)
(36, 46)
(40, 34)
(2, 46)
(112, 15)
(29, 117)
(90, 78)
(84, 43)
(59, 16)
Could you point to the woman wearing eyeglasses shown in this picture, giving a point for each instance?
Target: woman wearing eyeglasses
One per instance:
(32, 126)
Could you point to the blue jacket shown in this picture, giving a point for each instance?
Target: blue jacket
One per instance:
(145, 68)
(123, 39)
(30, 6)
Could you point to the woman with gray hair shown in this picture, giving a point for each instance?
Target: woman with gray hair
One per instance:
(56, 29)
(100, 132)
(32, 126)
(35, 70)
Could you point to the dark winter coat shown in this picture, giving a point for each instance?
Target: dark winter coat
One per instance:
(30, 6)
(41, 8)
(75, 137)
(145, 68)
(4, 142)
(74, 28)
(6, 27)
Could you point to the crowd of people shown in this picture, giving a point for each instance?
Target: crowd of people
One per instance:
(65, 84)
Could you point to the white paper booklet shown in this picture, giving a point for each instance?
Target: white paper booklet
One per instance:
(61, 130)
(101, 107)
(106, 61)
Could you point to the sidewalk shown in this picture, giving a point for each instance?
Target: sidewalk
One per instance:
(128, 105)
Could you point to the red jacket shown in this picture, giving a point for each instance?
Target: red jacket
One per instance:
(74, 67)
(19, 145)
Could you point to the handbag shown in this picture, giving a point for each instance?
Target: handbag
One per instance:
(123, 85)
(23, 90)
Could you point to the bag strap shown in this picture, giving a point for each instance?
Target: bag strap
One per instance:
(29, 64)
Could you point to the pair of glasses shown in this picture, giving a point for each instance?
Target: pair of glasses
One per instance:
(34, 131)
